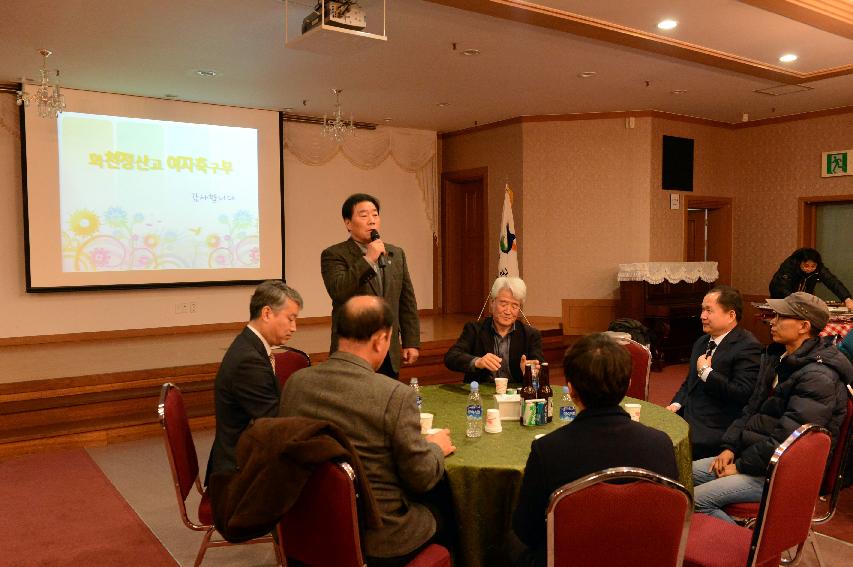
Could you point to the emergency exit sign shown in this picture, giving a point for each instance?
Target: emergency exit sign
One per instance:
(835, 164)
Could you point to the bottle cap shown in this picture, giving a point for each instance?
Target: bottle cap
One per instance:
(565, 389)
(475, 385)
(413, 380)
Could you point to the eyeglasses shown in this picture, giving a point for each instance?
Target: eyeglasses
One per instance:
(780, 317)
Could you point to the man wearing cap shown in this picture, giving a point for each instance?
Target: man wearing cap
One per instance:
(802, 380)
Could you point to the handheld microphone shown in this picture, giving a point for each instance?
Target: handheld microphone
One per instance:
(382, 261)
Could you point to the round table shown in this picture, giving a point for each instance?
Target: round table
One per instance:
(485, 473)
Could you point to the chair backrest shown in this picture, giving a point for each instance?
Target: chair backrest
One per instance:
(833, 479)
(790, 492)
(289, 360)
(641, 365)
(326, 507)
(179, 440)
(646, 513)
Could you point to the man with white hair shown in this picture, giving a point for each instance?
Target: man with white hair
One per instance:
(499, 345)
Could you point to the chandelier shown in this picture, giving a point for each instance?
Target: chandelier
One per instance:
(337, 128)
(50, 101)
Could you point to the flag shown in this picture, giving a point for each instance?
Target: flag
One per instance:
(507, 242)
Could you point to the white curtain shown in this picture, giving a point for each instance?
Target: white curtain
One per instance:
(413, 150)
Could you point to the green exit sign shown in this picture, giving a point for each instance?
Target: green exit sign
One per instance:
(835, 164)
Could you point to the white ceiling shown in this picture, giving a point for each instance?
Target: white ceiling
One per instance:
(153, 48)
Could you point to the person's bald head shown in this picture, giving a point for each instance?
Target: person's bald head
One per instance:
(364, 328)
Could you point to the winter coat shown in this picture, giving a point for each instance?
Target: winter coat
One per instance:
(789, 278)
(811, 389)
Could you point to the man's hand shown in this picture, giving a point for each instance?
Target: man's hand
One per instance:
(702, 361)
(728, 471)
(848, 303)
(673, 407)
(442, 439)
(410, 355)
(723, 460)
(374, 249)
(489, 361)
(524, 361)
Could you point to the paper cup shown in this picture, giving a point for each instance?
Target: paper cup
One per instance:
(493, 421)
(634, 411)
(426, 422)
(500, 385)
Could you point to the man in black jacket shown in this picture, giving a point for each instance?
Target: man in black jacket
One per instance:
(801, 271)
(802, 380)
(499, 345)
(722, 372)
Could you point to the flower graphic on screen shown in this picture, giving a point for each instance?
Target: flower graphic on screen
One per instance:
(115, 216)
(100, 257)
(213, 241)
(151, 240)
(255, 255)
(84, 222)
(242, 219)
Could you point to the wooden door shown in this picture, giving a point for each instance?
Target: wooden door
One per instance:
(464, 211)
(695, 236)
(709, 239)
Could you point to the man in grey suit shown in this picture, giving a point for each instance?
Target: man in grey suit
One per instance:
(380, 417)
(365, 265)
(246, 385)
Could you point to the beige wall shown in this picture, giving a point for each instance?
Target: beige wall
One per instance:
(498, 150)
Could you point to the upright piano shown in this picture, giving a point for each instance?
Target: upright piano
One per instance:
(667, 298)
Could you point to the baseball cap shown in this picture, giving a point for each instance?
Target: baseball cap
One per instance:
(802, 305)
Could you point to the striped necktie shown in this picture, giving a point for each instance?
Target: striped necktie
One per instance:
(711, 346)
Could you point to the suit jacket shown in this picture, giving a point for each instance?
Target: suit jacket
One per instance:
(599, 438)
(711, 406)
(477, 339)
(246, 388)
(380, 417)
(346, 273)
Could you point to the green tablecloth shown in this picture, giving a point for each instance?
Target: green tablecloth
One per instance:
(485, 473)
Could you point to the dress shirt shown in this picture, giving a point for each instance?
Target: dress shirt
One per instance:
(501, 349)
(707, 372)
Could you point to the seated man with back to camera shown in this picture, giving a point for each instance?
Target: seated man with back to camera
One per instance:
(246, 386)
(380, 417)
(598, 371)
(802, 380)
(722, 372)
(500, 344)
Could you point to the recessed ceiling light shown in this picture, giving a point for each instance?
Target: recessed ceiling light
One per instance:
(667, 24)
(678, 91)
(470, 52)
(587, 74)
(788, 58)
(443, 104)
(206, 73)
(387, 119)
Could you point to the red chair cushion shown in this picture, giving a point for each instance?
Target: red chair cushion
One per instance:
(715, 543)
(180, 440)
(640, 359)
(742, 510)
(288, 362)
(432, 556)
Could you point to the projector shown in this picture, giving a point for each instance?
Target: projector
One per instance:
(344, 14)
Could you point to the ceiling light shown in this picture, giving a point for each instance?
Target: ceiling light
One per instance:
(678, 91)
(206, 73)
(387, 119)
(470, 52)
(587, 74)
(337, 128)
(667, 24)
(443, 104)
(50, 101)
(788, 58)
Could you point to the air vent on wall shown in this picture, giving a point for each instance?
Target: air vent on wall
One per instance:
(780, 90)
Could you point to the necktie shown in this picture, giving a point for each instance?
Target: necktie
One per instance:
(711, 346)
(272, 361)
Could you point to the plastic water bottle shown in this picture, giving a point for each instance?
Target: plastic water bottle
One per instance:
(474, 412)
(568, 411)
(418, 396)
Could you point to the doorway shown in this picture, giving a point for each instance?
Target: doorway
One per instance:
(708, 233)
(464, 208)
(825, 225)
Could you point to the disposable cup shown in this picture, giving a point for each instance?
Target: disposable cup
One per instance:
(426, 422)
(500, 385)
(634, 411)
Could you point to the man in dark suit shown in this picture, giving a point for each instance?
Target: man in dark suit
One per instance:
(602, 436)
(380, 417)
(365, 265)
(722, 374)
(246, 386)
(499, 345)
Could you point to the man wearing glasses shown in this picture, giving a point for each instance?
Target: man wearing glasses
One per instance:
(500, 345)
(802, 380)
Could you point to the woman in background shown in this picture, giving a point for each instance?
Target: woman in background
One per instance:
(801, 271)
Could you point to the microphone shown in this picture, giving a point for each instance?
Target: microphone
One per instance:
(382, 261)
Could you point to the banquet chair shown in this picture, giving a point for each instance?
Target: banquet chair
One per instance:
(183, 461)
(641, 365)
(830, 490)
(646, 513)
(289, 360)
(322, 527)
(784, 514)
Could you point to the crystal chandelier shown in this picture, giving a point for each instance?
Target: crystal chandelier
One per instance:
(50, 101)
(337, 128)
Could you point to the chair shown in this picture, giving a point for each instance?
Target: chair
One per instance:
(641, 365)
(784, 513)
(289, 360)
(647, 514)
(184, 464)
(322, 527)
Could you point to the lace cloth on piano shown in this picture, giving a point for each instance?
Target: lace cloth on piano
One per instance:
(673, 272)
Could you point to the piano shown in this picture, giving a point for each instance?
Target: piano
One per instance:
(667, 298)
